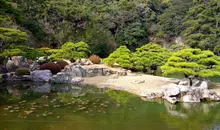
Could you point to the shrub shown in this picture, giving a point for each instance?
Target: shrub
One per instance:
(62, 63)
(29, 53)
(22, 71)
(120, 56)
(71, 50)
(54, 68)
(95, 59)
(192, 62)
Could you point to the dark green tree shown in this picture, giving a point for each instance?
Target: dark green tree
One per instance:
(202, 23)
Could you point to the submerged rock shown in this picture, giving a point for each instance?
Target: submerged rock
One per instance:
(41, 75)
(41, 87)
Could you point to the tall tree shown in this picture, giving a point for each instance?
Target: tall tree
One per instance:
(203, 29)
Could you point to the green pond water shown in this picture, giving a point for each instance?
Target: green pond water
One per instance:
(38, 106)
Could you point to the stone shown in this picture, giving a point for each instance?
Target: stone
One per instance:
(43, 59)
(10, 66)
(171, 90)
(41, 75)
(20, 78)
(34, 66)
(75, 71)
(137, 81)
(152, 95)
(172, 100)
(83, 61)
(3, 70)
(184, 82)
(17, 62)
(171, 93)
(76, 80)
(204, 85)
(61, 77)
(122, 73)
(210, 95)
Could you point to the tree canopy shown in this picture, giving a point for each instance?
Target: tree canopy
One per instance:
(192, 62)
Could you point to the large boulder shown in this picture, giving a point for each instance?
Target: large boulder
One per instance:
(17, 62)
(171, 90)
(75, 71)
(194, 95)
(96, 71)
(184, 93)
(61, 77)
(171, 93)
(41, 75)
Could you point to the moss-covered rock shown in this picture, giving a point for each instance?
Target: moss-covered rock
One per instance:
(22, 71)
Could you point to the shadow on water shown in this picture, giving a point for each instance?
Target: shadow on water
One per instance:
(44, 106)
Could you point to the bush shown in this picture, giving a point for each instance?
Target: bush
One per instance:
(54, 68)
(22, 71)
(71, 50)
(95, 59)
(120, 56)
(62, 63)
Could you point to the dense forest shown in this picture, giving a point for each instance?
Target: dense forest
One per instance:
(136, 34)
(108, 24)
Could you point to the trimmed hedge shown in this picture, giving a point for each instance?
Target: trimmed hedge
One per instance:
(54, 68)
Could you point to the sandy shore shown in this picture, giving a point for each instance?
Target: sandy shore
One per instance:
(151, 84)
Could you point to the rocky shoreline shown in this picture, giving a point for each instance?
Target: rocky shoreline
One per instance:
(146, 86)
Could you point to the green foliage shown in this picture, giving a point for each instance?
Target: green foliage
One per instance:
(11, 16)
(13, 36)
(203, 25)
(192, 62)
(171, 21)
(148, 56)
(71, 50)
(48, 51)
(12, 52)
(177, 47)
(29, 53)
(120, 56)
(22, 71)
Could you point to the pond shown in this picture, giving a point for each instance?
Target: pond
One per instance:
(39, 106)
